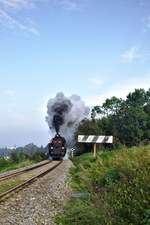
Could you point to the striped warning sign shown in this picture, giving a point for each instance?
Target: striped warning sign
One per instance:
(95, 139)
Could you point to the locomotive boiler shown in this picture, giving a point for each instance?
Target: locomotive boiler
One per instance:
(57, 147)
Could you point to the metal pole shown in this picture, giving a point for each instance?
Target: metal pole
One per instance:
(94, 154)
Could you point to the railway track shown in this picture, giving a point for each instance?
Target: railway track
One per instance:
(21, 171)
(42, 170)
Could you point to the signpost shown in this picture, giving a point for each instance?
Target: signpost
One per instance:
(95, 140)
(72, 152)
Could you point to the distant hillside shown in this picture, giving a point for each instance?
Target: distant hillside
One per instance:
(29, 149)
(5, 152)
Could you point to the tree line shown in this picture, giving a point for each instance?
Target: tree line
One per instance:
(127, 120)
(29, 151)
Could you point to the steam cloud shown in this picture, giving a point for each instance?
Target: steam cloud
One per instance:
(65, 114)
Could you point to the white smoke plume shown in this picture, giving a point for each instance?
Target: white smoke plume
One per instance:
(65, 114)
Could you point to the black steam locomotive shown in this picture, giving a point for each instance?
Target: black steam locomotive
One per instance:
(57, 147)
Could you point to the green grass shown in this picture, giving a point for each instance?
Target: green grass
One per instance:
(9, 184)
(118, 183)
(20, 159)
(6, 165)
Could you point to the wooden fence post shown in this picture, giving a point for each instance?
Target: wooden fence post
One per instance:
(94, 154)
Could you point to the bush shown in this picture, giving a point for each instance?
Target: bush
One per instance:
(21, 155)
(38, 156)
(18, 156)
(4, 162)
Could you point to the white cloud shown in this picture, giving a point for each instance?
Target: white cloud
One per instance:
(120, 90)
(69, 4)
(131, 55)
(10, 22)
(7, 7)
(20, 4)
(17, 4)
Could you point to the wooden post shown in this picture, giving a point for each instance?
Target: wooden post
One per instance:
(94, 153)
(72, 154)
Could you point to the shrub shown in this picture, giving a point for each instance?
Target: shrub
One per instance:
(4, 162)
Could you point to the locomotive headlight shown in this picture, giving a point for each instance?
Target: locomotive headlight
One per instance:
(51, 147)
(63, 148)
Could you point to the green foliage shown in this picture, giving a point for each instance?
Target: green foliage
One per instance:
(4, 162)
(79, 212)
(8, 164)
(127, 120)
(38, 156)
(22, 156)
(18, 156)
(9, 184)
(118, 183)
(90, 127)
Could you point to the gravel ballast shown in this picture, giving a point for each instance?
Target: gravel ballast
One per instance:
(38, 203)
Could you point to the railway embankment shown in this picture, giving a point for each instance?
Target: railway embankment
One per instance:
(113, 189)
(18, 160)
(38, 203)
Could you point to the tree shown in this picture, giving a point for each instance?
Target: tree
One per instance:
(138, 98)
(109, 107)
(127, 120)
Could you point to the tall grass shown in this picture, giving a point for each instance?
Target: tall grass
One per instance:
(20, 159)
(118, 183)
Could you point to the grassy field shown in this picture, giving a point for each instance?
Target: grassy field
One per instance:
(19, 159)
(6, 165)
(113, 189)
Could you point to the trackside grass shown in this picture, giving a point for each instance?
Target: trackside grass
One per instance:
(118, 187)
(6, 164)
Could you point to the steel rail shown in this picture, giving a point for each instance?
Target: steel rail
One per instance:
(31, 180)
(8, 176)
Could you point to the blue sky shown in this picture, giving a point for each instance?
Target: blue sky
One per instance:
(92, 48)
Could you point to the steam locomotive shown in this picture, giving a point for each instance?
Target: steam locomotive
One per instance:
(57, 147)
